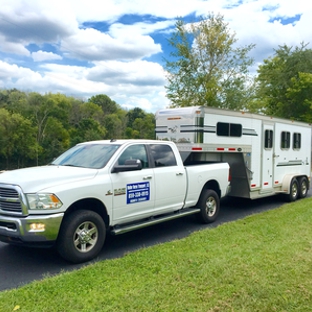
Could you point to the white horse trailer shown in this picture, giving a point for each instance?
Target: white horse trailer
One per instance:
(267, 155)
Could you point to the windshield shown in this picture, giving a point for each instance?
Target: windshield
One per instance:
(93, 156)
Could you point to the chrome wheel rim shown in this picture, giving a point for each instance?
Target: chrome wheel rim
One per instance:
(85, 236)
(304, 188)
(211, 206)
(294, 190)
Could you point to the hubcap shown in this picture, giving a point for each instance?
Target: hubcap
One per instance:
(294, 190)
(304, 188)
(85, 236)
(211, 206)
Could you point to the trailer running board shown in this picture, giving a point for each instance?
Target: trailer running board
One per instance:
(121, 229)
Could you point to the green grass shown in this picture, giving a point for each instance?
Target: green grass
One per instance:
(260, 263)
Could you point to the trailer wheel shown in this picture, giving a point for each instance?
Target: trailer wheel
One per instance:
(209, 204)
(81, 237)
(293, 191)
(303, 187)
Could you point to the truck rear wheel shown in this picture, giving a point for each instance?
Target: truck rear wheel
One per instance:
(303, 187)
(82, 236)
(209, 204)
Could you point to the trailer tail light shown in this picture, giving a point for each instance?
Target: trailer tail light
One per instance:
(197, 148)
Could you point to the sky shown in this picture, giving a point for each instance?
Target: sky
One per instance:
(83, 48)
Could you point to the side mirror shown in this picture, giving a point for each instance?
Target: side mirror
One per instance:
(130, 165)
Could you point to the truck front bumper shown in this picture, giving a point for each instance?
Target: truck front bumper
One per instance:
(31, 230)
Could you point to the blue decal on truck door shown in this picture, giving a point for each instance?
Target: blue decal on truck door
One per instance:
(138, 192)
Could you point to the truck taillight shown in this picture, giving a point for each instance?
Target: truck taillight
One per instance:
(230, 175)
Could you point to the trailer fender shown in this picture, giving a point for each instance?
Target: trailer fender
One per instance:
(287, 181)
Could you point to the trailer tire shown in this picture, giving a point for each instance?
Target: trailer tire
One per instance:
(209, 204)
(81, 236)
(293, 190)
(303, 187)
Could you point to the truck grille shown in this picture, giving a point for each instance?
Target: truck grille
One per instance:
(10, 200)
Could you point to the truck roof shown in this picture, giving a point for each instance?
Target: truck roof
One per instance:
(125, 141)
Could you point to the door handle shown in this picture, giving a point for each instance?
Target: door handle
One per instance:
(179, 173)
(147, 178)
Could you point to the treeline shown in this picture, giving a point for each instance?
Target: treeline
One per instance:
(36, 128)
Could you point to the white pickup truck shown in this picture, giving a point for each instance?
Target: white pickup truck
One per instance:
(101, 186)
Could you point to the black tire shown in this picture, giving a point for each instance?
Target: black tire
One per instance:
(293, 190)
(81, 237)
(209, 204)
(303, 187)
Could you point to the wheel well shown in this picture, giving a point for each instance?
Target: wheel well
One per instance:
(212, 185)
(92, 204)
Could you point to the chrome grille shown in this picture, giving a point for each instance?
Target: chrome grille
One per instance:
(10, 200)
(6, 192)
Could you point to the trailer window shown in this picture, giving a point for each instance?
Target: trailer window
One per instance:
(163, 155)
(285, 139)
(268, 139)
(229, 129)
(296, 141)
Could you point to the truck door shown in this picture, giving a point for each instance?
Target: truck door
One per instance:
(267, 158)
(133, 191)
(170, 179)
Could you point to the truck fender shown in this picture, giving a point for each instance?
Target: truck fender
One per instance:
(93, 204)
(211, 185)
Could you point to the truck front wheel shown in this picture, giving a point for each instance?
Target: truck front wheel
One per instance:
(82, 236)
(209, 204)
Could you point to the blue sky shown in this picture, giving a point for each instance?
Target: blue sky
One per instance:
(116, 47)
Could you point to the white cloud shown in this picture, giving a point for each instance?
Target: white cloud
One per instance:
(91, 44)
(41, 56)
(112, 58)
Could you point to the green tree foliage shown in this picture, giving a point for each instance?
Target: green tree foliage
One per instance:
(140, 124)
(284, 84)
(133, 114)
(55, 140)
(108, 105)
(206, 68)
(88, 129)
(300, 97)
(145, 127)
(17, 138)
(35, 128)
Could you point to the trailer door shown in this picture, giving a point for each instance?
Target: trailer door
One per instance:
(267, 156)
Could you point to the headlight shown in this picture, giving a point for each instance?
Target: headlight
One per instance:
(43, 201)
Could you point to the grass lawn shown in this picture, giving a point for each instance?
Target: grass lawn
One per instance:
(260, 263)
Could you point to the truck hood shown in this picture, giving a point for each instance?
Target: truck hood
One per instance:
(36, 179)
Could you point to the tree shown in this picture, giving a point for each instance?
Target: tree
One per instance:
(300, 97)
(17, 138)
(206, 69)
(133, 114)
(284, 84)
(144, 127)
(55, 140)
(106, 103)
(88, 129)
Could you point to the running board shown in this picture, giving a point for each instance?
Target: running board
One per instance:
(153, 220)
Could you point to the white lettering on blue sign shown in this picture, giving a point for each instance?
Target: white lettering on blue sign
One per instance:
(138, 192)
